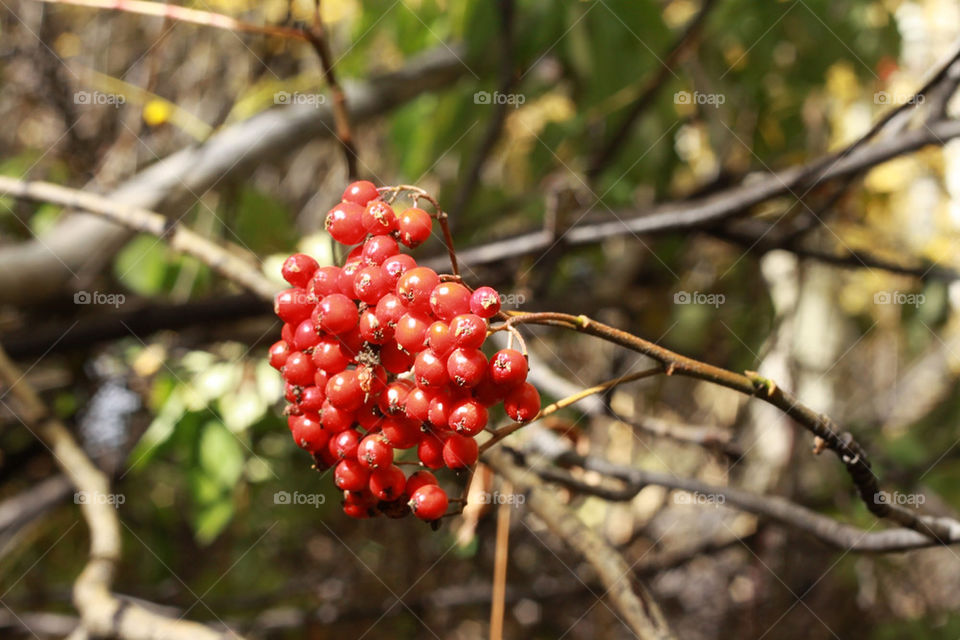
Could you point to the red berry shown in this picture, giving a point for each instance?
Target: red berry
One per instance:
(449, 299)
(372, 330)
(485, 302)
(308, 433)
(372, 379)
(389, 310)
(439, 339)
(430, 450)
(344, 392)
(460, 451)
(415, 286)
(378, 248)
(429, 371)
(378, 217)
(419, 479)
(411, 332)
(394, 397)
(401, 432)
(394, 359)
(325, 281)
(350, 343)
(286, 332)
(305, 335)
(469, 330)
(298, 269)
(335, 419)
(508, 367)
(344, 444)
(522, 403)
(328, 355)
(279, 351)
(299, 369)
(293, 305)
(311, 398)
(360, 192)
(387, 483)
(440, 405)
(468, 417)
(429, 502)
(374, 451)
(320, 379)
(359, 504)
(337, 313)
(324, 459)
(414, 225)
(345, 223)
(397, 265)
(466, 367)
(418, 404)
(370, 285)
(350, 475)
(346, 282)
(368, 416)
(291, 392)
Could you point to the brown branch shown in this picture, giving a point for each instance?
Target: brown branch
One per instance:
(102, 613)
(778, 509)
(226, 260)
(842, 444)
(633, 601)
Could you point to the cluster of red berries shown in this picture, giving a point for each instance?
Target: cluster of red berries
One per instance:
(381, 355)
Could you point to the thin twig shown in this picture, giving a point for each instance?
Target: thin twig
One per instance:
(500, 567)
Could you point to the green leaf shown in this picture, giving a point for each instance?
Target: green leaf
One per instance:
(142, 265)
(220, 454)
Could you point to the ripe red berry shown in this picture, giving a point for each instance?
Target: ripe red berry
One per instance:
(460, 451)
(320, 378)
(337, 313)
(522, 403)
(508, 367)
(430, 450)
(485, 302)
(401, 432)
(279, 351)
(335, 419)
(440, 405)
(360, 192)
(379, 218)
(397, 265)
(429, 371)
(389, 310)
(378, 248)
(345, 223)
(346, 282)
(370, 285)
(372, 379)
(298, 369)
(350, 475)
(293, 305)
(368, 416)
(286, 332)
(298, 269)
(411, 332)
(468, 417)
(328, 355)
(291, 392)
(449, 299)
(308, 433)
(418, 404)
(351, 342)
(311, 398)
(429, 502)
(325, 281)
(414, 225)
(394, 397)
(344, 444)
(387, 483)
(344, 392)
(415, 286)
(394, 359)
(372, 330)
(359, 504)
(466, 367)
(419, 479)
(374, 451)
(305, 335)
(439, 339)
(469, 330)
